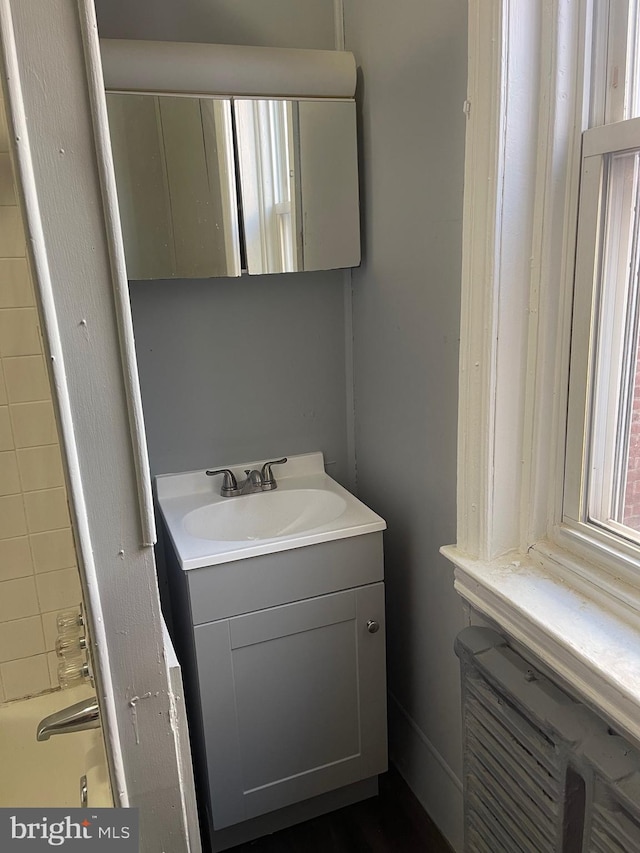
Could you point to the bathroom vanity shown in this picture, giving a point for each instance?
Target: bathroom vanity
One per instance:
(280, 629)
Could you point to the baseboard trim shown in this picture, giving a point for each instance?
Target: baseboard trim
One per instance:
(423, 768)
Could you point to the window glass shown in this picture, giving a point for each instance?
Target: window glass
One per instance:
(602, 474)
(614, 447)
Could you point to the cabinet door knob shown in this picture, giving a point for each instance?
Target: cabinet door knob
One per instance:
(373, 626)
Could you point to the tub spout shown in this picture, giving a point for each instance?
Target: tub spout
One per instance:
(76, 718)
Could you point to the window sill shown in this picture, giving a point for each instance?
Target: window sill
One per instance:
(590, 643)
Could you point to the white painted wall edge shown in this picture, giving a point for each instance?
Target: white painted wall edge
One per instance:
(347, 289)
(220, 69)
(26, 187)
(433, 782)
(89, 28)
(352, 467)
(180, 729)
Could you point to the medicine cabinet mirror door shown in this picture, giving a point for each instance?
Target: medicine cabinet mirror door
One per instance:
(175, 174)
(299, 184)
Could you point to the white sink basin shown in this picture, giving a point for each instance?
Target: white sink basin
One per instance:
(264, 516)
(307, 508)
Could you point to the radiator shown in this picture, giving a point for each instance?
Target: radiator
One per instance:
(542, 772)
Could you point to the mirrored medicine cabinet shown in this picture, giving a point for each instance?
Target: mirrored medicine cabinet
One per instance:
(211, 186)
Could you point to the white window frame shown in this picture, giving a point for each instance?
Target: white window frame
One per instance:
(598, 142)
(565, 597)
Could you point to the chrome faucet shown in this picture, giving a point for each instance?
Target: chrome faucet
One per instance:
(252, 484)
(76, 718)
(256, 481)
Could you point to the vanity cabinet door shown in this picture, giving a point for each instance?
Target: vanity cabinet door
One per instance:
(293, 701)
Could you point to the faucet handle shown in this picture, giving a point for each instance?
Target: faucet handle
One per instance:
(229, 484)
(268, 480)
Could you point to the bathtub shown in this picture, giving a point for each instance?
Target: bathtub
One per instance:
(48, 773)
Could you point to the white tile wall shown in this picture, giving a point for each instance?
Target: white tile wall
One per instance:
(53, 550)
(38, 574)
(25, 677)
(4, 133)
(32, 424)
(56, 590)
(26, 379)
(19, 332)
(11, 233)
(40, 467)
(50, 630)
(15, 558)
(52, 662)
(13, 521)
(46, 510)
(9, 477)
(18, 598)
(15, 283)
(21, 638)
(6, 435)
(7, 190)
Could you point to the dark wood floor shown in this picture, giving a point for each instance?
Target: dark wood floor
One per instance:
(392, 822)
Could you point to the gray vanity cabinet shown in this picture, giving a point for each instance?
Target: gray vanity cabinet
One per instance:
(293, 701)
(283, 656)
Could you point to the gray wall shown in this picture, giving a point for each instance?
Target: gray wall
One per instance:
(239, 369)
(234, 370)
(406, 323)
(265, 23)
